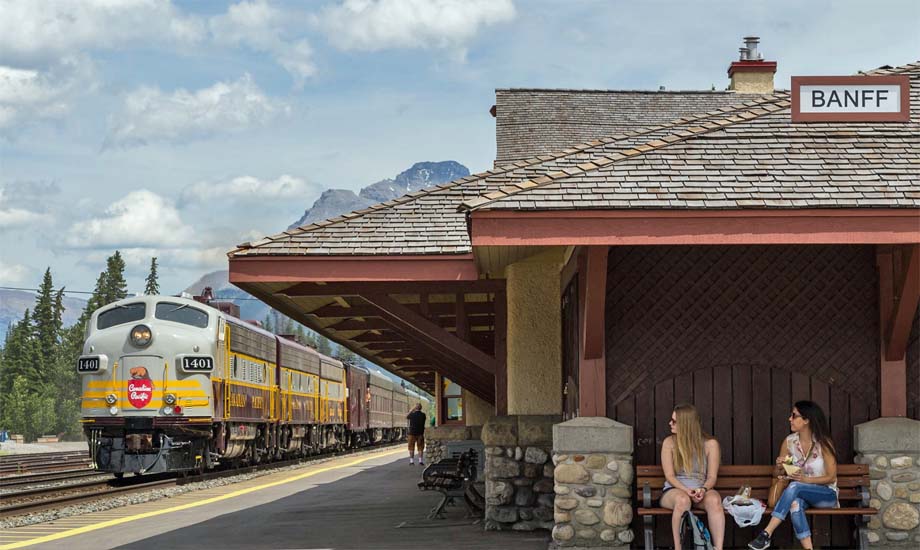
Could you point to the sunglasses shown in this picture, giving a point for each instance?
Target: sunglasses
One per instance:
(795, 415)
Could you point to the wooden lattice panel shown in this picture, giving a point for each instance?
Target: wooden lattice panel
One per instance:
(810, 310)
(913, 370)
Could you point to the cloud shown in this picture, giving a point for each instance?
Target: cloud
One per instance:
(249, 188)
(142, 219)
(261, 27)
(151, 115)
(27, 95)
(44, 31)
(372, 25)
(12, 273)
(137, 260)
(13, 217)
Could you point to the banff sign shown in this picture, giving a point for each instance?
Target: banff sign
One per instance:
(850, 98)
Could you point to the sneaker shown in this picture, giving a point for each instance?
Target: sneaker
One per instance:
(412, 461)
(762, 542)
(421, 462)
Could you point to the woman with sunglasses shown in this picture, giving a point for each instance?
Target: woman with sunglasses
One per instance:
(813, 483)
(690, 460)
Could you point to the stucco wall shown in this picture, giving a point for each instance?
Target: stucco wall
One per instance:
(535, 334)
(475, 410)
(759, 83)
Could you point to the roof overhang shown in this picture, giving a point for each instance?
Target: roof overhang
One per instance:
(694, 227)
(290, 269)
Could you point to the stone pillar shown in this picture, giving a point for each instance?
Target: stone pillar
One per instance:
(593, 483)
(519, 474)
(891, 448)
(534, 337)
(436, 440)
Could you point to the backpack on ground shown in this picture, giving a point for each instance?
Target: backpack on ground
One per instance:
(693, 533)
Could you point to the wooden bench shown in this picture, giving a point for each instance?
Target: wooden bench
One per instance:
(452, 477)
(852, 482)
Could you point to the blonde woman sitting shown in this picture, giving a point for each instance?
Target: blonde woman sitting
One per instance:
(690, 460)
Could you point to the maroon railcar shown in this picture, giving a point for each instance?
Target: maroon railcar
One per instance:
(358, 381)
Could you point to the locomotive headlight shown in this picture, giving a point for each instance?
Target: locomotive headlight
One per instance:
(113, 410)
(111, 398)
(141, 336)
(170, 399)
(167, 410)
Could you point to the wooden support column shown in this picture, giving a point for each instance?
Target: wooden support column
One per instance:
(592, 367)
(892, 373)
(501, 354)
(906, 296)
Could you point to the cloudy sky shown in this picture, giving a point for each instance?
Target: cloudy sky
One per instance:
(178, 129)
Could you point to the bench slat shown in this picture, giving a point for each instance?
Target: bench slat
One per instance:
(754, 482)
(730, 470)
(809, 512)
(845, 495)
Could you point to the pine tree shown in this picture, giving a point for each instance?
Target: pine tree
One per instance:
(152, 284)
(20, 362)
(267, 323)
(323, 345)
(116, 287)
(47, 326)
(345, 355)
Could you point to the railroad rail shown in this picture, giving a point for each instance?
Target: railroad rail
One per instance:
(34, 500)
(15, 465)
(35, 479)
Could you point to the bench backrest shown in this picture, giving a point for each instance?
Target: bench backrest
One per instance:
(759, 478)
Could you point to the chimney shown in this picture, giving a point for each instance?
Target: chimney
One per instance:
(751, 74)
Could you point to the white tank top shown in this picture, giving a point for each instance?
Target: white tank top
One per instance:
(812, 465)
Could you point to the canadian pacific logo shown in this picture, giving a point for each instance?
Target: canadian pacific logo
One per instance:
(140, 388)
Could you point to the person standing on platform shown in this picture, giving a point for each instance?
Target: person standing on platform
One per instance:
(416, 420)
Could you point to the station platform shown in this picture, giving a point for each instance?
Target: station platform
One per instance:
(355, 502)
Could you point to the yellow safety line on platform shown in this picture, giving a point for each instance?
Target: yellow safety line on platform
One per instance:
(112, 522)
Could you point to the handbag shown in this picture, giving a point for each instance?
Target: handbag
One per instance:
(777, 487)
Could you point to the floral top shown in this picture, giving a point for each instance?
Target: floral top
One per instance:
(811, 466)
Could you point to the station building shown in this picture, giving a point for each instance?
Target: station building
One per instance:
(629, 251)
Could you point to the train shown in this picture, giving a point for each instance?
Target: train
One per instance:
(172, 384)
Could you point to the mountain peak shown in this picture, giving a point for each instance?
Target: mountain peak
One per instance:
(334, 202)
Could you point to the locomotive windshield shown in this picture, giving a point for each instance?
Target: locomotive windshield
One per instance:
(181, 313)
(121, 314)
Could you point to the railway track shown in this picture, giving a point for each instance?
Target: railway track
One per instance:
(35, 479)
(34, 500)
(17, 465)
(28, 501)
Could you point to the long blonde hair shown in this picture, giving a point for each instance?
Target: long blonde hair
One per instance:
(690, 439)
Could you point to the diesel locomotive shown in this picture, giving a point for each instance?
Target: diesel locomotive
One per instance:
(171, 384)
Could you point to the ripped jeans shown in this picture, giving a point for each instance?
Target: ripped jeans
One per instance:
(797, 498)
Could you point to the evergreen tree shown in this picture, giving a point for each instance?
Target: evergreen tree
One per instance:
(345, 355)
(267, 323)
(116, 287)
(287, 326)
(47, 325)
(28, 411)
(323, 345)
(152, 284)
(19, 363)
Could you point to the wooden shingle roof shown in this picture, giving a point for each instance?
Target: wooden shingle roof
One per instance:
(747, 155)
(757, 159)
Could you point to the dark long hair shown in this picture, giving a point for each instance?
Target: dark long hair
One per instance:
(820, 432)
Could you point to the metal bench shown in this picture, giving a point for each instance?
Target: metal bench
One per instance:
(451, 477)
(852, 481)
